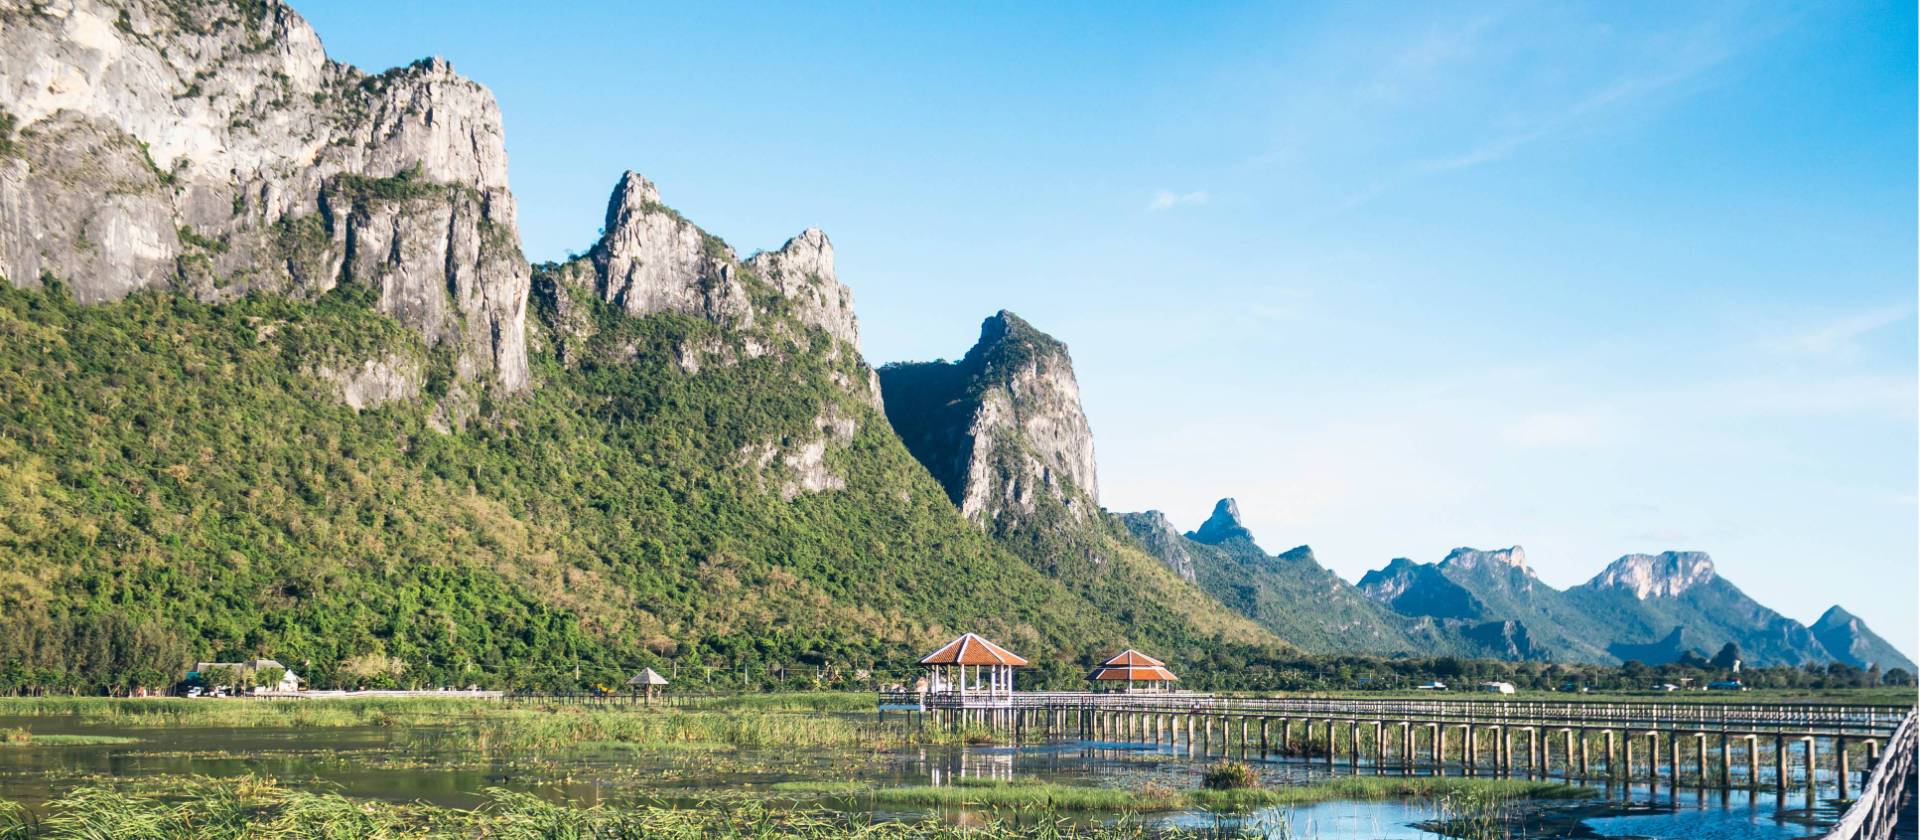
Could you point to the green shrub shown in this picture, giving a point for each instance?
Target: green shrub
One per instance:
(1230, 775)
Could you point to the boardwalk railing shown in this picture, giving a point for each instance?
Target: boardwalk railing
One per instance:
(1889, 792)
(1819, 719)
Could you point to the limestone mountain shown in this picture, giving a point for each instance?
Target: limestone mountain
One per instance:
(1849, 640)
(1653, 608)
(215, 150)
(1645, 597)
(1003, 431)
(1002, 428)
(1301, 601)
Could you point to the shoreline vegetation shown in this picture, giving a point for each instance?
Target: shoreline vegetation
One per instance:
(176, 808)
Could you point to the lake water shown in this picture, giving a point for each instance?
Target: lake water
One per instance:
(423, 765)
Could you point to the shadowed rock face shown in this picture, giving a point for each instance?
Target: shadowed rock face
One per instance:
(1850, 640)
(1419, 589)
(233, 156)
(1002, 428)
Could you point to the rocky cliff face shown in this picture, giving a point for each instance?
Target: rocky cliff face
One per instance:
(1664, 575)
(1505, 559)
(1158, 536)
(212, 148)
(1002, 428)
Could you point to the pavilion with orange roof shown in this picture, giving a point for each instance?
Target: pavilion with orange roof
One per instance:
(1131, 670)
(971, 666)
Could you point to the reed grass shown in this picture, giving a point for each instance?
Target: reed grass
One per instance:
(258, 809)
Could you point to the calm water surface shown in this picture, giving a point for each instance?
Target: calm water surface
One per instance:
(416, 764)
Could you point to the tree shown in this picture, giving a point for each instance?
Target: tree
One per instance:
(1897, 676)
(1727, 658)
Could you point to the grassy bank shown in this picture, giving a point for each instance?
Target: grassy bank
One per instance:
(1072, 798)
(755, 721)
(180, 809)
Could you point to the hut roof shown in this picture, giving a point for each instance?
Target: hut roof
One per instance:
(971, 649)
(1124, 673)
(648, 677)
(1133, 659)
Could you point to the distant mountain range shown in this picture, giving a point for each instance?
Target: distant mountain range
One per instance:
(1649, 608)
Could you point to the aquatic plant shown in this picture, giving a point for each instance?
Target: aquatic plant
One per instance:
(1230, 775)
(259, 809)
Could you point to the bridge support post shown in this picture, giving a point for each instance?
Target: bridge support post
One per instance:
(1700, 746)
(1332, 746)
(1780, 764)
(1653, 756)
(1840, 771)
(1379, 744)
(1726, 761)
(1353, 744)
(1811, 755)
(1437, 743)
(1626, 755)
(1469, 749)
(1263, 737)
(1583, 753)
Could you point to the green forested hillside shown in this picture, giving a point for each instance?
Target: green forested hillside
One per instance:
(175, 484)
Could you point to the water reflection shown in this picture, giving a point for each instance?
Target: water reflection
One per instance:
(425, 765)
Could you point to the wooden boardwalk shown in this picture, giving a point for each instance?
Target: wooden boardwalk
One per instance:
(1706, 744)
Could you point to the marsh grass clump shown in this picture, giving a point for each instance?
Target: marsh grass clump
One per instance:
(1230, 775)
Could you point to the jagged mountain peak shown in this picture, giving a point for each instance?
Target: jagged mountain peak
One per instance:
(1473, 558)
(634, 194)
(1835, 615)
(1663, 575)
(802, 269)
(1223, 525)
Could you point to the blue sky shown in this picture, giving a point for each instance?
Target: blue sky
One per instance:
(1590, 279)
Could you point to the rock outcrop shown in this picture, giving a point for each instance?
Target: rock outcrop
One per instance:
(213, 148)
(1002, 428)
(653, 260)
(1223, 526)
(1467, 559)
(1664, 575)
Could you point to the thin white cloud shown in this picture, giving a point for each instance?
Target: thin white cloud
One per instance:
(1168, 199)
(1842, 336)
